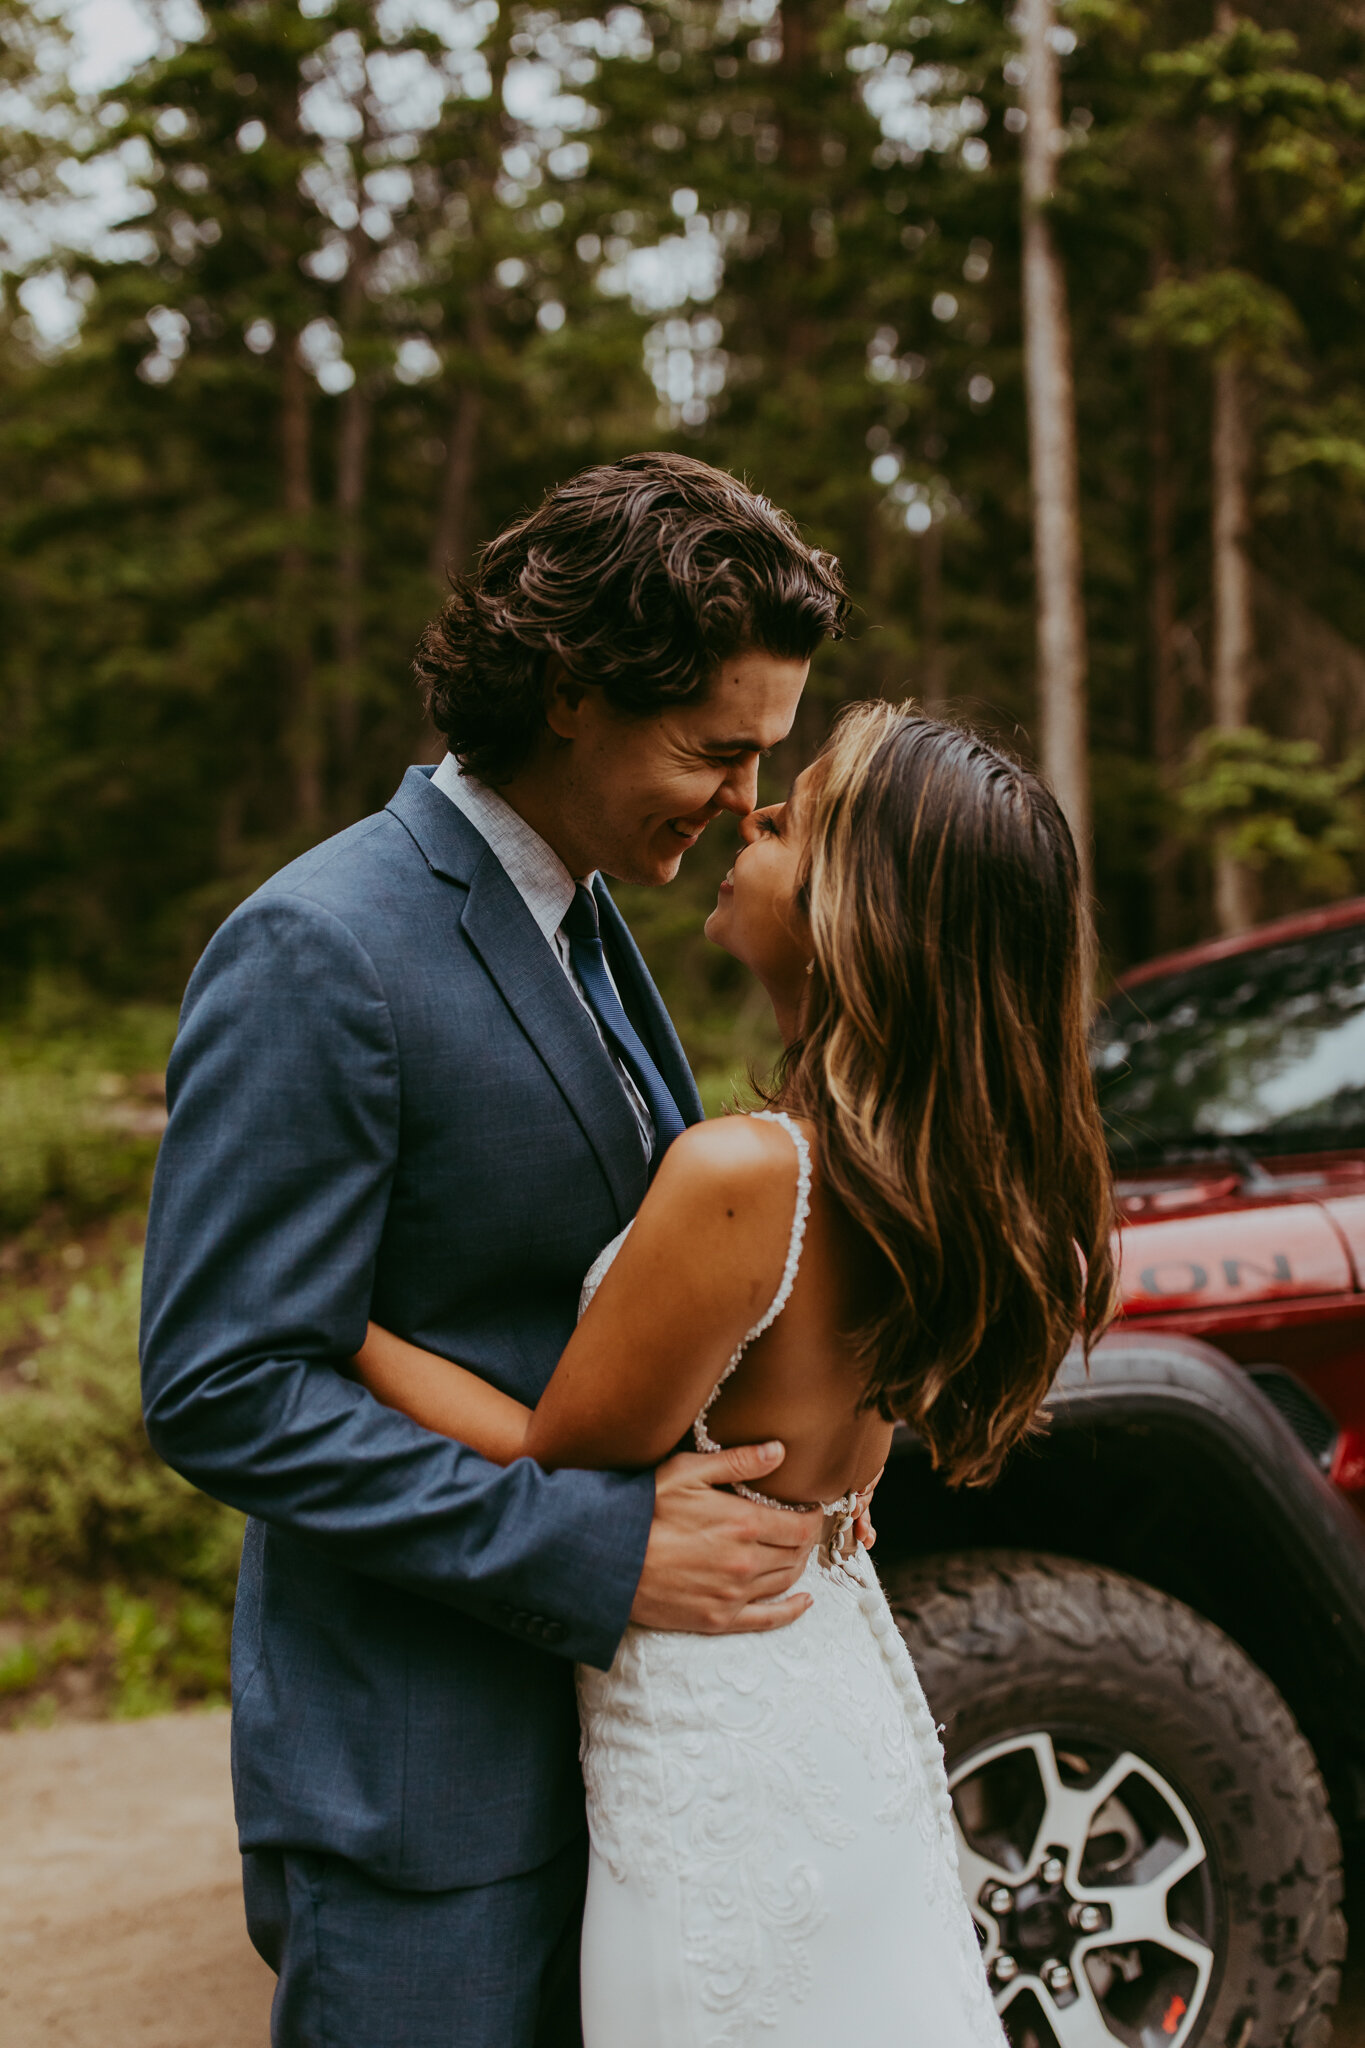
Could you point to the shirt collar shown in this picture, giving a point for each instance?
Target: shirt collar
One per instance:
(534, 869)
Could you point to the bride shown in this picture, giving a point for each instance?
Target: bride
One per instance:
(914, 1229)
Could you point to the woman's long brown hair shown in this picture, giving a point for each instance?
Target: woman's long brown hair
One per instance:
(943, 1064)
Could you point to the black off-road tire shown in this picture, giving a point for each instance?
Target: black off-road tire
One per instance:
(1007, 1641)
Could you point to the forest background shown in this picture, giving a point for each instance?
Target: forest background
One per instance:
(1046, 320)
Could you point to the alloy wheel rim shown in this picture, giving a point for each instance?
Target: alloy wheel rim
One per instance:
(1092, 1891)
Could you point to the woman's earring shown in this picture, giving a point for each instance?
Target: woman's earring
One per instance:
(810, 967)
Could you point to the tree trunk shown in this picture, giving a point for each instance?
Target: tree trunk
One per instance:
(1234, 631)
(353, 442)
(302, 722)
(1063, 740)
(453, 538)
(352, 448)
(797, 333)
(1164, 726)
(1233, 618)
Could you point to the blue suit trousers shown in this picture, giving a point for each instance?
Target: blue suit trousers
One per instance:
(361, 1965)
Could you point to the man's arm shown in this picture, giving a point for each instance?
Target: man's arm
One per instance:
(269, 1204)
(715, 1564)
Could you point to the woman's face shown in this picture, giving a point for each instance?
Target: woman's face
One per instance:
(757, 916)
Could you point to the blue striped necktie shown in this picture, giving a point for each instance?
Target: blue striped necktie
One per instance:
(584, 933)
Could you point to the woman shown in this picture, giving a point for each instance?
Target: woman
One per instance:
(914, 1229)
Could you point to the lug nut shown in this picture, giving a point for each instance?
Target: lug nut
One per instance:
(1089, 1919)
(1004, 1969)
(1057, 1977)
(1053, 1870)
(999, 1899)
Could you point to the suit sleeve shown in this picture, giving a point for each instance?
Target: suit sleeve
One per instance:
(267, 1211)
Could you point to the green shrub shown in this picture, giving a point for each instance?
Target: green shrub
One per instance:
(71, 1640)
(107, 1558)
(78, 1104)
(19, 1668)
(162, 1656)
(58, 1144)
(82, 1493)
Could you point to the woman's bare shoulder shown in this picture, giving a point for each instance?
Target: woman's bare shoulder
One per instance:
(728, 1185)
(746, 1154)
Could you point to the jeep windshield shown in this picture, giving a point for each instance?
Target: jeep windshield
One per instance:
(1263, 1053)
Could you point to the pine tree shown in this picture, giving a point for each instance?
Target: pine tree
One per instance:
(389, 284)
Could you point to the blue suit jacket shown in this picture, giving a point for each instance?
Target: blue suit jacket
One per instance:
(385, 1100)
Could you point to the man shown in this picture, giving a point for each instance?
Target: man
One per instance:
(423, 1075)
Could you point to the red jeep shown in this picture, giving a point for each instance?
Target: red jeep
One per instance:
(1147, 1642)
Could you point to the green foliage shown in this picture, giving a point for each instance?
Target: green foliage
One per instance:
(1226, 312)
(79, 1104)
(71, 1640)
(57, 1144)
(353, 330)
(146, 1652)
(81, 1492)
(19, 1668)
(1266, 801)
(1328, 439)
(163, 1655)
(108, 1559)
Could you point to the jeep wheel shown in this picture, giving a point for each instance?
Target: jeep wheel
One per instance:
(1144, 1836)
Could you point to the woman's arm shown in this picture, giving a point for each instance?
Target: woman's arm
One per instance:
(442, 1396)
(699, 1268)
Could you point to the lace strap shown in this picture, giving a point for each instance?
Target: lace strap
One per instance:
(700, 1434)
(800, 1217)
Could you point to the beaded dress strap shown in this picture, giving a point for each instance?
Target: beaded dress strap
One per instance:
(846, 1507)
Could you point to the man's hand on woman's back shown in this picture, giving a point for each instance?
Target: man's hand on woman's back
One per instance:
(718, 1564)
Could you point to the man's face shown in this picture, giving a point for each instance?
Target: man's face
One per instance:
(635, 793)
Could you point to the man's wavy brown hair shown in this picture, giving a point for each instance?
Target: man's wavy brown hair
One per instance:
(943, 1063)
(639, 577)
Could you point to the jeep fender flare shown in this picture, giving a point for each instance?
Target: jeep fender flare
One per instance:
(1181, 1384)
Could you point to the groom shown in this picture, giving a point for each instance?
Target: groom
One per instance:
(423, 1075)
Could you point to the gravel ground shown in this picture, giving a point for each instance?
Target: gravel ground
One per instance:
(120, 1907)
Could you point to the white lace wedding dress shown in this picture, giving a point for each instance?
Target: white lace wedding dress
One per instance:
(773, 1860)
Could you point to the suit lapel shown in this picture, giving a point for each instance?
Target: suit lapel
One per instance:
(536, 990)
(660, 1036)
(533, 984)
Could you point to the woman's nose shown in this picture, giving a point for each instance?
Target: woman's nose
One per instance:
(749, 826)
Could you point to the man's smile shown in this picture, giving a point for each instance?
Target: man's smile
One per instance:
(687, 829)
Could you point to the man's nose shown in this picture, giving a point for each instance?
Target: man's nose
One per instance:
(739, 791)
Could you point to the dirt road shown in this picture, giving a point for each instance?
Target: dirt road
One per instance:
(120, 1896)
(120, 1908)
